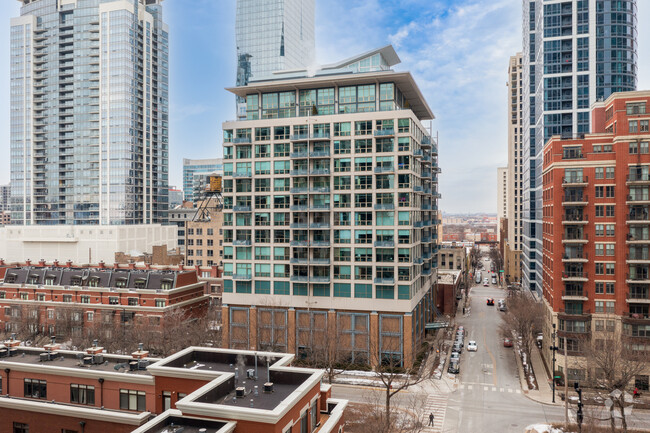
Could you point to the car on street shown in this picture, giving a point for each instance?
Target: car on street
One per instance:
(486, 282)
(494, 279)
(507, 342)
(490, 301)
(454, 367)
(471, 346)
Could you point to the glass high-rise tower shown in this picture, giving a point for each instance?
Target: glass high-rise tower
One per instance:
(89, 112)
(273, 35)
(575, 53)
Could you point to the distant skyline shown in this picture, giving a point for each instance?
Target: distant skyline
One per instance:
(457, 50)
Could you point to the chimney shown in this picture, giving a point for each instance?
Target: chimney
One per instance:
(141, 353)
(53, 346)
(95, 349)
(101, 265)
(147, 266)
(28, 262)
(2, 262)
(55, 263)
(41, 263)
(12, 342)
(116, 265)
(68, 263)
(131, 265)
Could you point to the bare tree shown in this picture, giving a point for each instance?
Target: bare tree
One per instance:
(405, 417)
(616, 364)
(496, 258)
(391, 371)
(524, 319)
(474, 256)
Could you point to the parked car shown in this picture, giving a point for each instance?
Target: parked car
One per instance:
(461, 328)
(458, 347)
(486, 282)
(507, 342)
(454, 367)
(471, 346)
(455, 357)
(490, 301)
(502, 307)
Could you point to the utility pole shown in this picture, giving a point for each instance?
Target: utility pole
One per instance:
(566, 390)
(554, 349)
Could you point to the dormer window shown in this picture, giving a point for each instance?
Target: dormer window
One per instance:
(120, 283)
(49, 280)
(166, 284)
(10, 278)
(93, 282)
(33, 279)
(76, 280)
(140, 283)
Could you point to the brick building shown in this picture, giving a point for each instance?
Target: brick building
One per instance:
(204, 239)
(222, 391)
(37, 293)
(595, 231)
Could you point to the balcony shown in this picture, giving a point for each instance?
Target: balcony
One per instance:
(321, 190)
(319, 279)
(426, 239)
(385, 244)
(637, 240)
(299, 172)
(575, 200)
(320, 154)
(241, 209)
(640, 278)
(299, 137)
(384, 206)
(636, 318)
(426, 271)
(242, 174)
(575, 181)
(385, 169)
(319, 225)
(242, 243)
(638, 216)
(384, 280)
(320, 261)
(384, 132)
(637, 257)
(577, 314)
(320, 135)
(300, 207)
(418, 153)
(576, 257)
(300, 190)
(426, 141)
(574, 295)
(575, 276)
(426, 173)
(418, 261)
(241, 140)
(418, 188)
(303, 243)
(638, 298)
(637, 199)
(320, 243)
(320, 172)
(575, 238)
(300, 278)
(300, 260)
(574, 218)
(320, 207)
(242, 277)
(299, 225)
(301, 154)
(638, 179)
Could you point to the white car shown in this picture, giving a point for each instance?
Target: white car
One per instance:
(471, 346)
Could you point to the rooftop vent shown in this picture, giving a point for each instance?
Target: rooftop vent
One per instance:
(239, 391)
(268, 387)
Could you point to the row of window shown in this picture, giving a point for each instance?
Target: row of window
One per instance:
(341, 290)
(83, 299)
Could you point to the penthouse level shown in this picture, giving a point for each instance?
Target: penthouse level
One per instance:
(218, 390)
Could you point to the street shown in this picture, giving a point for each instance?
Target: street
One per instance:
(486, 396)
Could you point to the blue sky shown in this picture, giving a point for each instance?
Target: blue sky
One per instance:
(458, 51)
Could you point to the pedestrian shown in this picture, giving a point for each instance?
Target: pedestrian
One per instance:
(463, 310)
(636, 392)
(431, 418)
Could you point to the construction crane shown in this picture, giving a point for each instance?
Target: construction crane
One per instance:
(210, 199)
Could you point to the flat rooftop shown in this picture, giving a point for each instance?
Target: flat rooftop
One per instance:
(75, 359)
(180, 424)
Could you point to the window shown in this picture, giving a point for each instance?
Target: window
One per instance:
(113, 300)
(600, 268)
(133, 301)
(600, 287)
(634, 126)
(609, 288)
(132, 400)
(19, 427)
(35, 388)
(600, 172)
(160, 303)
(363, 272)
(363, 290)
(609, 172)
(609, 268)
(82, 394)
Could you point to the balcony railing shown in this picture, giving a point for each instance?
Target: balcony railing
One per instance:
(320, 279)
(577, 180)
(577, 198)
(385, 280)
(638, 256)
(418, 152)
(299, 172)
(638, 216)
(384, 132)
(299, 243)
(320, 225)
(575, 236)
(320, 261)
(301, 154)
(320, 154)
(638, 177)
(385, 169)
(242, 243)
(242, 277)
(320, 172)
(296, 137)
(575, 312)
(637, 198)
(320, 243)
(574, 293)
(321, 190)
(637, 277)
(242, 174)
(300, 207)
(241, 140)
(384, 206)
(581, 255)
(241, 209)
(301, 278)
(385, 244)
(300, 260)
(320, 207)
(299, 225)
(575, 274)
(575, 217)
(300, 190)
(632, 296)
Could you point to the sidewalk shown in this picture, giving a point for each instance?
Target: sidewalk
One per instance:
(544, 394)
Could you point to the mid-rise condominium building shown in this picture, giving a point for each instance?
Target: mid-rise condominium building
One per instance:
(89, 112)
(273, 35)
(514, 207)
(330, 206)
(575, 53)
(596, 241)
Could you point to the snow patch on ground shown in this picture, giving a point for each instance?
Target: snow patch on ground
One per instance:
(542, 428)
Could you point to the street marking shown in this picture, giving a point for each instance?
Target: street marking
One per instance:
(437, 405)
(510, 391)
(501, 390)
(518, 391)
(494, 388)
(485, 388)
(469, 387)
(494, 362)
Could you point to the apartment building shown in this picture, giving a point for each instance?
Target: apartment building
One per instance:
(193, 171)
(194, 390)
(596, 242)
(90, 103)
(330, 212)
(204, 239)
(576, 52)
(502, 195)
(36, 298)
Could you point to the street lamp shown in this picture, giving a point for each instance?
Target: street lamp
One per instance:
(554, 348)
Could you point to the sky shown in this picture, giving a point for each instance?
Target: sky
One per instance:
(457, 50)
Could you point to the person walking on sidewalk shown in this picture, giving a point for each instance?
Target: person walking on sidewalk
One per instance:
(431, 419)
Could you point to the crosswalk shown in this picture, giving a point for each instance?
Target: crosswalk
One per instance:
(487, 388)
(437, 405)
